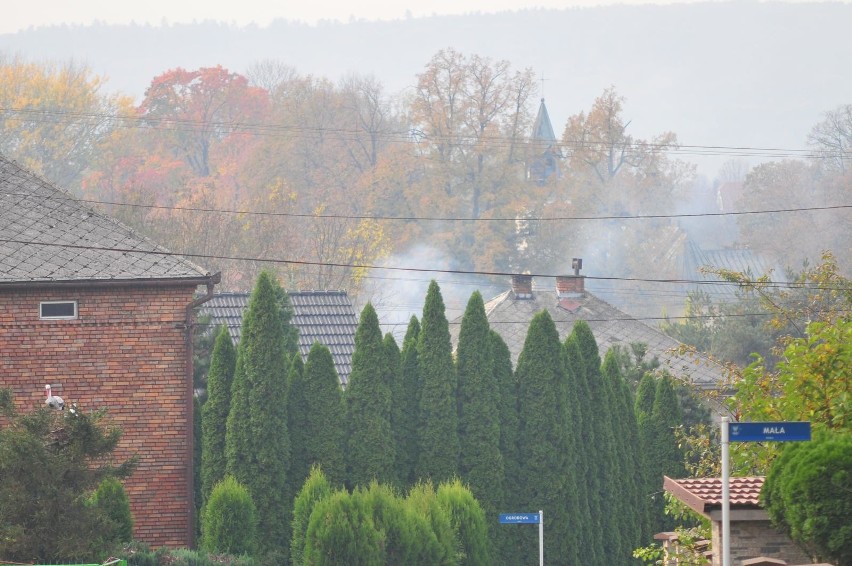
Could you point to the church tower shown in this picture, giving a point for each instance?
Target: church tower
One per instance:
(545, 154)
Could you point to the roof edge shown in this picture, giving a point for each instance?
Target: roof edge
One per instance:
(208, 279)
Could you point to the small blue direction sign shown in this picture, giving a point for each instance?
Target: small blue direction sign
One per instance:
(772, 431)
(520, 518)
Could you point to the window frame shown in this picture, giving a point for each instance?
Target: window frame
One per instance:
(75, 316)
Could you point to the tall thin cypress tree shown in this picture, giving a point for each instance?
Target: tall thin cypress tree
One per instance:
(543, 438)
(214, 413)
(370, 444)
(624, 485)
(584, 443)
(297, 423)
(325, 426)
(391, 374)
(438, 441)
(598, 457)
(480, 463)
(257, 441)
(408, 401)
(668, 458)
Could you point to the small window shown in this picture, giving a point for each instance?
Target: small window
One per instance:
(58, 310)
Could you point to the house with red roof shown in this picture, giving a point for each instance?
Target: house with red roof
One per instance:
(754, 541)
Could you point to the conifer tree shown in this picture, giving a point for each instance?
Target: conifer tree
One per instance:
(393, 379)
(624, 486)
(508, 550)
(214, 412)
(315, 488)
(298, 416)
(468, 520)
(643, 407)
(370, 444)
(480, 463)
(257, 440)
(438, 439)
(543, 442)
(325, 425)
(407, 400)
(667, 458)
(582, 352)
(583, 441)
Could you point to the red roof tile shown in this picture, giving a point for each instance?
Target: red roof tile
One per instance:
(703, 494)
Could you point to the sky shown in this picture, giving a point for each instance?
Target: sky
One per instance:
(261, 12)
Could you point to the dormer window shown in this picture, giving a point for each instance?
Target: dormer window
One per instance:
(57, 310)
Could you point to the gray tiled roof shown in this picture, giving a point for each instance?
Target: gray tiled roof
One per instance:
(327, 317)
(46, 235)
(511, 317)
(734, 259)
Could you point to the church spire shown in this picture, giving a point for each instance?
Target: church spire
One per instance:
(544, 163)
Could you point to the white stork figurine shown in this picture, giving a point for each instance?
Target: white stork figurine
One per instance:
(53, 401)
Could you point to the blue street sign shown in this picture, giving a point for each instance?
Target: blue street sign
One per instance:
(772, 431)
(520, 518)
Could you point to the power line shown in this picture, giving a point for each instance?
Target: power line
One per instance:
(411, 135)
(434, 218)
(677, 281)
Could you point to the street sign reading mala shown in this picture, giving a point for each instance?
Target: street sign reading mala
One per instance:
(770, 431)
(781, 431)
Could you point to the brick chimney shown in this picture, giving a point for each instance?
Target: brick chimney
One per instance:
(522, 286)
(573, 286)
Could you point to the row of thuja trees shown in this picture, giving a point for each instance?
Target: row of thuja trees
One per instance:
(561, 432)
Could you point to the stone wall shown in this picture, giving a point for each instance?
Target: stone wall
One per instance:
(753, 538)
(126, 353)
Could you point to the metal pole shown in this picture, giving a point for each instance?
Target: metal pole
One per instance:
(726, 495)
(540, 538)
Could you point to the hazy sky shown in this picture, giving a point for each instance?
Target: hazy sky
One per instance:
(47, 12)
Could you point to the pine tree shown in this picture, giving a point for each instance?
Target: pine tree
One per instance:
(643, 407)
(666, 456)
(370, 444)
(581, 448)
(508, 549)
(582, 353)
(315, 488)
(624, 486)
(438, 440)
(325, 425)
(480, 463)
(257, 441)
(214, 413)
(393, 379)
(407, 402)
(298, 416)
(543, 442)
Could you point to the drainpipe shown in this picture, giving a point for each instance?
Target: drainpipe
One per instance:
(190, 327)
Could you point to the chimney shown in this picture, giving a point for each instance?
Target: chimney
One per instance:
(572, 286)
(522, 286)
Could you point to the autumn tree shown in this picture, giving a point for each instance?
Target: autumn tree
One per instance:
(832, 138)
(257, 441)
(438, 442)
(54, 117)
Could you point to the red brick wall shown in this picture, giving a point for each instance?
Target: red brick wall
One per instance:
(125, 353)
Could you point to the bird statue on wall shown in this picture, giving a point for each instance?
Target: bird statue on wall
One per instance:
(53, 401)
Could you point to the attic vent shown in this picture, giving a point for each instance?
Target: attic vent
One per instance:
(57, 310)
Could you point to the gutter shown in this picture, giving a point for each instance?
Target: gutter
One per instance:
(210, 282)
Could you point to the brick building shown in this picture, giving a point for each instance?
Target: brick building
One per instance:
(105, 317)
(754, 541)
